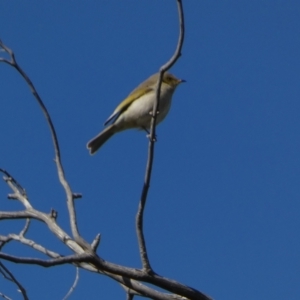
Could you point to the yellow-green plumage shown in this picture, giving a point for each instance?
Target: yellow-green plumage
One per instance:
(135, 110)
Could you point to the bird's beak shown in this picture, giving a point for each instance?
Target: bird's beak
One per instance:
(182, 80)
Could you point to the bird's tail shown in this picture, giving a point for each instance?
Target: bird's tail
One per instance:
(94, 144)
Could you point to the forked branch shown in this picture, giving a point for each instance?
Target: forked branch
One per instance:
(60, 171)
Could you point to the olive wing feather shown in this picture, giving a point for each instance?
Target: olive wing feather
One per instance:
(135, 94)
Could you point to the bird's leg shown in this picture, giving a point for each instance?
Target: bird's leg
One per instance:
(144, 128)
(148, 135)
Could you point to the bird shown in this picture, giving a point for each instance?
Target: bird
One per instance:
(135, 111)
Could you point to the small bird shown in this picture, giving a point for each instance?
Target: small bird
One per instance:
(136, 110)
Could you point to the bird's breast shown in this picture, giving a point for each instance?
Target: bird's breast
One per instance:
(138, 114)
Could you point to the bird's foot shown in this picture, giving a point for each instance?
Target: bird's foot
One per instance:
(154, 138)
(151, 113)
(149, 135)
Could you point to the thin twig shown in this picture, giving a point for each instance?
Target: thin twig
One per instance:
(73, 285)
(60, 170)
(75, 258)
(15, 182)
(139, 217)
(14, 280)
(5, 297)
(96, 242)
(50, 222)
(19, 192)
(33, 245)
(25, 229)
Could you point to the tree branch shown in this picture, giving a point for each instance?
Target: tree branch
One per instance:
(5, 297)
(76, 258)
(33, 245)
(139, 217)
(73, 285)
(13, 279)
(61, 175)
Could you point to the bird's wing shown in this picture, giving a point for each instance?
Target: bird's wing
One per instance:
(115, 114)
(135, 94)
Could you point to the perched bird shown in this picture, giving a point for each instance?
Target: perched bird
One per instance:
(136, 110)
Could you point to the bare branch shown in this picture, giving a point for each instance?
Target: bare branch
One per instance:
(76, 258)
(34, 245)
(60, 170)
(110, 269)
(20, 238)
(25, 229)
(139, 217)
(3, 240)
(133, 287)
(5, 297)
(96, 242)
(12, 278)
(50, 222)
(73, 285)
(19, 188)
(77, 196)
(17, 195)
(8, 215)
(159, 281)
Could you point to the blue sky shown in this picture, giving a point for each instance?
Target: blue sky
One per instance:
(223, 210)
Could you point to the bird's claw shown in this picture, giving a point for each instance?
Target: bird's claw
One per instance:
(151, 113)
(149, 137)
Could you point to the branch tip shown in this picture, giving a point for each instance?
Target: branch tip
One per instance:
(12, 197)
(25, 229)
(77, 195)
(96, 242)
(53, 214)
